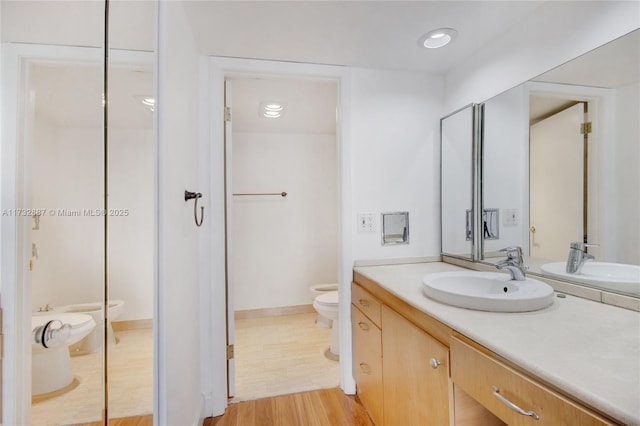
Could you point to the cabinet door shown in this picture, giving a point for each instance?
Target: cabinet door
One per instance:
(416, 393)
(367, 363)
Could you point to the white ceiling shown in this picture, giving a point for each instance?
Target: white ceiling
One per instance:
(310, 105)
(371, 34)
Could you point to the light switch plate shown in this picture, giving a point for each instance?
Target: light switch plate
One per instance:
(511, 217)
(366, 223)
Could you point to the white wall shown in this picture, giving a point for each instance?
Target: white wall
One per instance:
(67, 170)
(131, 239)
(395, 150)
(178, 320)
(283, 245)
(627, 173)
(556, 33)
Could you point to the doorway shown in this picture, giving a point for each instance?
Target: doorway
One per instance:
(559, 154)
(282, 231)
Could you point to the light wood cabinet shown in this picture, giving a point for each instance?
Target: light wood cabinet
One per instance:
(367, 303)
(367, 353)
(415, 369)
(503, 391)
(394, 346)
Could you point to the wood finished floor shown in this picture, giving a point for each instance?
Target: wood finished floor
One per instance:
(126, 421)
(325, 407)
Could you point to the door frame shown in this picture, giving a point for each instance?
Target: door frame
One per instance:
(214, 350)
(15, 231)
(600, 162)
(553, 228)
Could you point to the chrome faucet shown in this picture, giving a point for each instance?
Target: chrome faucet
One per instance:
(578, 256)
(513, 263)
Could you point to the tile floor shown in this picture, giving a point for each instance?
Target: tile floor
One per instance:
(281, 355)
(130, 384)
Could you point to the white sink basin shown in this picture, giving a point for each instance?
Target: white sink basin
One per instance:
(616, 276)
(487, 291)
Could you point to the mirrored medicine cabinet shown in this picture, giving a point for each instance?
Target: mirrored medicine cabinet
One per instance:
(550, 162)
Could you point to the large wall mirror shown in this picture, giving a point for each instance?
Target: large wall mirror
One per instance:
(560, 163)
(459, 132)
(78, 157)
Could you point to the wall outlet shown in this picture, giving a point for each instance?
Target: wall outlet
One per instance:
(366, 223)
(511, 217)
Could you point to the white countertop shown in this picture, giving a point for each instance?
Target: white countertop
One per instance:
(588, 349)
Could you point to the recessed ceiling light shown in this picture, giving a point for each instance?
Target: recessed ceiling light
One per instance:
(437, 38)
(271, 109)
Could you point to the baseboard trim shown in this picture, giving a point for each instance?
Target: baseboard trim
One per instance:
(132, 325)
(273, 312)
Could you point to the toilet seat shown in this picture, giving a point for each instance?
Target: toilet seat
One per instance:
(328, 299)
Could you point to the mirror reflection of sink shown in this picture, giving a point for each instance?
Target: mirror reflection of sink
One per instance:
(617, 276)
(487, 291)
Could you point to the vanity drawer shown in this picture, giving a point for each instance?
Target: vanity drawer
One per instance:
(367, 363)
(365, 333)
(488, 381)
(366, 302)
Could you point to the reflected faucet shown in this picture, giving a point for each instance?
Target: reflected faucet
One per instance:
(513, 263)
(578, 256)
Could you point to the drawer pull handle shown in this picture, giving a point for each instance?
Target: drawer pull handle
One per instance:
(363, 326)
(365, 368)
(434, 363)
(514, 407)
(363, 303)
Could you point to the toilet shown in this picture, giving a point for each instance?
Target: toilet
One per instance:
(327, 305)
(51, 367)
(93, 342)
(317, 290)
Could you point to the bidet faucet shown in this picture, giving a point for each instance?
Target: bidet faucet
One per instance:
(513, 263)
(578, 256)
(47, 308)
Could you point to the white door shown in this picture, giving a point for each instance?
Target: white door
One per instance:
(556, 183)
(231, 368)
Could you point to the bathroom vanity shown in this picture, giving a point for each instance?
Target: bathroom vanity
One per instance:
(420, 362)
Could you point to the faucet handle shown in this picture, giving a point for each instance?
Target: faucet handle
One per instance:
(512, 252)
(582, 246)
